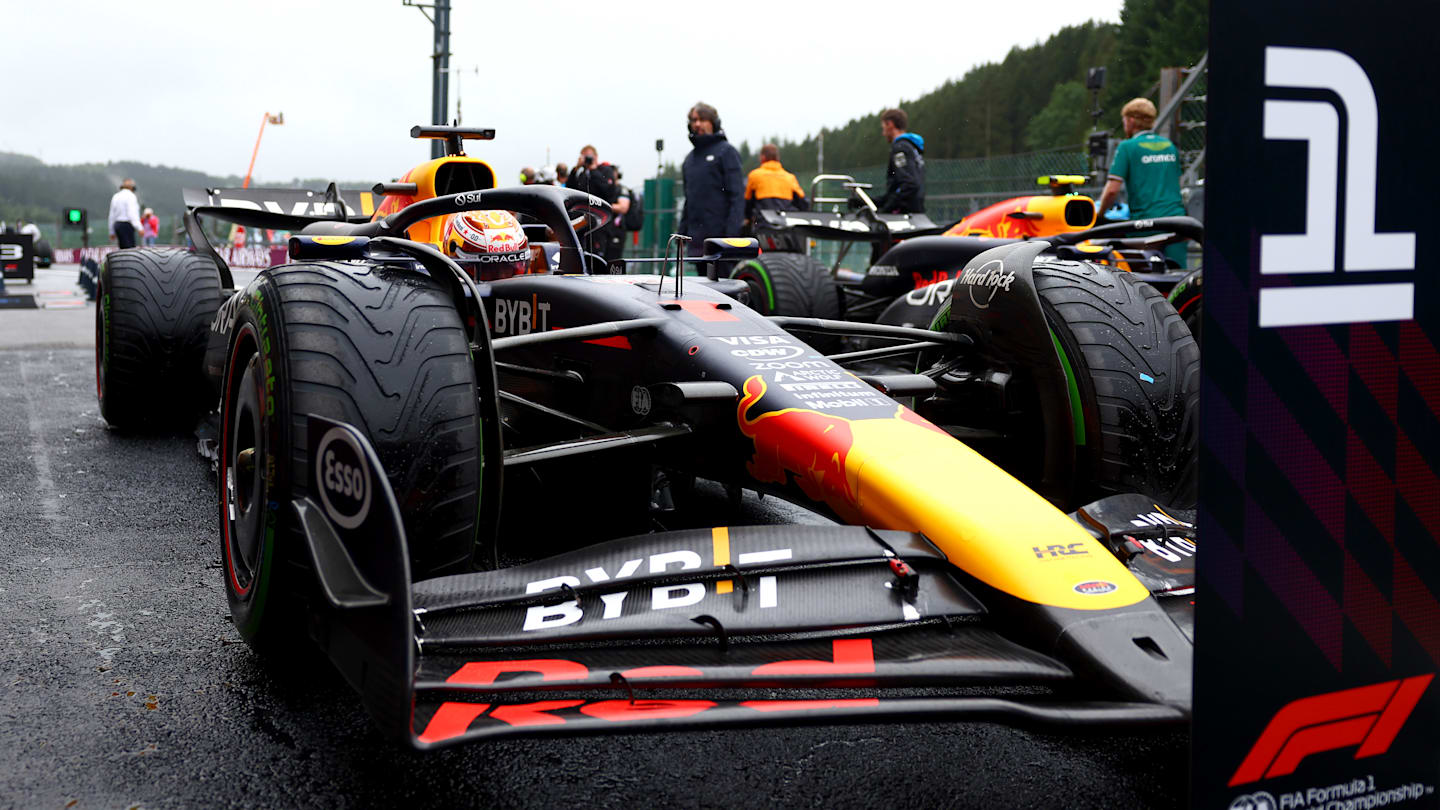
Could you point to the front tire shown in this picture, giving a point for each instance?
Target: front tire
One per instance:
(380, 348)
(1137, 371)
(1132, 382)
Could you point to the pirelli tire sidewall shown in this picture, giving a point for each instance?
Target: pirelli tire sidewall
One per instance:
(263, 591)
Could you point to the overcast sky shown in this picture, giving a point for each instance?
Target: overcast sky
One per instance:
(187, 83)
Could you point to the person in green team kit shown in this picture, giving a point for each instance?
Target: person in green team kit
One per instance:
(1149, 167)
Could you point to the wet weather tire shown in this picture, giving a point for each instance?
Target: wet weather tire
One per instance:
(153, 313)
(1136, 369)
(792, 284)
(380, 348)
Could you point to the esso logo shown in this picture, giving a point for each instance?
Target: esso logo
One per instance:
(1096, 587)
(343, 478)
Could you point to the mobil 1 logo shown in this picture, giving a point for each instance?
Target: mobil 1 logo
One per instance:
(342, 478)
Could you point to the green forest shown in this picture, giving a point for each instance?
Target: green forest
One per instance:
(1034, 99)
(36, 191)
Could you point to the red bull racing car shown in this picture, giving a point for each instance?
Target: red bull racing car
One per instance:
(916, 262)
(380, 402)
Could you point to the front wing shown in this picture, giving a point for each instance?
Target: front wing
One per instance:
(714, 627)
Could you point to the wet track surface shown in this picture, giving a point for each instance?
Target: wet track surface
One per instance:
(125, 685)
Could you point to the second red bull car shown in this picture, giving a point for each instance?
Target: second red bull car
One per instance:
(375, 401)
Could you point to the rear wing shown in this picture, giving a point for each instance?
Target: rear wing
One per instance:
(281, 208)
(288, 209)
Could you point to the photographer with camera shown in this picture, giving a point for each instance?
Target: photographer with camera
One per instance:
(598, 179)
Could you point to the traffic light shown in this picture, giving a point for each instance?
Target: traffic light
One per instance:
(75, 218)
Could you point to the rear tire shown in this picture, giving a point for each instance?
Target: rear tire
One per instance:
(1187, 297)
(1137, 371)
(44, 254)
(151, 324)
(792, 284)
(380, 348)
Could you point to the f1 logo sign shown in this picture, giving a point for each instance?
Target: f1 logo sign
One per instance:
(1318, 124)
(1367, 716)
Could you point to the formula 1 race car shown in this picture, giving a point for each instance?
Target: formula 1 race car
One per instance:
(375, 400)
(917, 263)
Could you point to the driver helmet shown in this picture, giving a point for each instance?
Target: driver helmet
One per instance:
(489, 244)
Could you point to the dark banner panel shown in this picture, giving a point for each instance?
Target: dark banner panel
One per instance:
(1319, 589)
(17, 256)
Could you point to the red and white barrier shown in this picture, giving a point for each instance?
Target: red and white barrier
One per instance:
(246, 258)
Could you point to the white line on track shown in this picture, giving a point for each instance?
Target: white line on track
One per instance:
(39, 452)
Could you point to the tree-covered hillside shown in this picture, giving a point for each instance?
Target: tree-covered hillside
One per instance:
(1034, 99)
(33, 190)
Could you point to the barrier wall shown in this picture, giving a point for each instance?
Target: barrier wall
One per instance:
(246, 258)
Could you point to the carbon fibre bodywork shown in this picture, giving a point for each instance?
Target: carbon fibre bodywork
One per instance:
(701, 627)
(954, 576)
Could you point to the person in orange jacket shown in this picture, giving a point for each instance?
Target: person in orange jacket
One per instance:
(771, 188)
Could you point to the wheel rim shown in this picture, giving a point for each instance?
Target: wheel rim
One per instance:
(242, 477)
(243, 490)
(243, 473)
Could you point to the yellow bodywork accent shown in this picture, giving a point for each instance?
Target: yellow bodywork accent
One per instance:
(423, 176)
(739, 242)
(993, 221)
(720, 545)
(984, 520)
(367, 203)
(333, 240)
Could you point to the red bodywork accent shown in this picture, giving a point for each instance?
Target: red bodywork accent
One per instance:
(616, 342)
(1369, 716)
(931, 278)
(451, 720)
(706, 310)
(645, 709)
(533, 714)
(810, 444)
(852, 657)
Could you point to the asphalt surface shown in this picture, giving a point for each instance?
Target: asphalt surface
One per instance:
(125, 684)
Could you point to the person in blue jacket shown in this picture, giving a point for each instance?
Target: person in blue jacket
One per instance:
(714, 183)
(905, 172)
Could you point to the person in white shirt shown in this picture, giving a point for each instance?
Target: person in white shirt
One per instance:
(30, 229)
(125, 215)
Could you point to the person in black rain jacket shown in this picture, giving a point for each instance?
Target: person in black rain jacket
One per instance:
(905, 173)
(714, 183)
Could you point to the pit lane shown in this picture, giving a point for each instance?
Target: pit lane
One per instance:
(125, 684)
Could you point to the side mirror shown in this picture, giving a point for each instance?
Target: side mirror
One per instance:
(729, 249)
